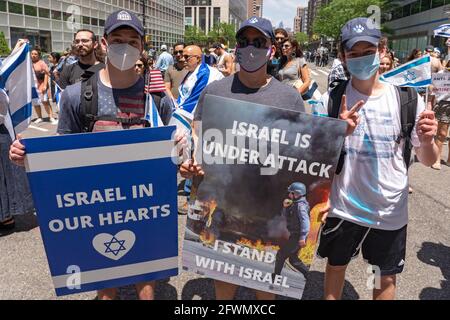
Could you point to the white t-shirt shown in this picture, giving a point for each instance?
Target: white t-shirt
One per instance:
(372, 188)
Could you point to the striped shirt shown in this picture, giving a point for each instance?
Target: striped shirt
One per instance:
(154, 82)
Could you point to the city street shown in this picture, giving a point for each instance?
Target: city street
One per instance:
(24, 272)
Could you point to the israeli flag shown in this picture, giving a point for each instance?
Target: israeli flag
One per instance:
(17, 79)
(151, 112)
(442, 31)
(416, 73)
(194, 84)
(58, 92)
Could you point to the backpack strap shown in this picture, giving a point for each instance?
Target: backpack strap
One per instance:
(89, 100)
(408, 110)
(334, 108)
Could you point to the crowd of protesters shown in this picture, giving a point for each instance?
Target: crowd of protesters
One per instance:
(268, 67)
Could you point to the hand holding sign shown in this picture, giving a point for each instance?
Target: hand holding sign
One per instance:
(190, 168)
(427, 127)
(350, 116)
(17, 152)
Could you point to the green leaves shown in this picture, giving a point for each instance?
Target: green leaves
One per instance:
(302, 38)
(223, 32)
(332, 18)
(4, 49)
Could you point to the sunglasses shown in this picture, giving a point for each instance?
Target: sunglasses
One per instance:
(279, 39)
(178, 52)
(186, 57)
(258, 43)
(139, 65)
(286, 46)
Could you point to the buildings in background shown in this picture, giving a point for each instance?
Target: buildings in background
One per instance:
(255, 8)
(301, 20)
(51, 23)
(313, 10)
(412, 23)
(204, 14)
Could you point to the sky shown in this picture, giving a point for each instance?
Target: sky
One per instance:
(282, 10)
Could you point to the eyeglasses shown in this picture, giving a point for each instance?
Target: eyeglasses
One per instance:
(139, 65)
(259, 42)
(77, 41)
(286, 46)
(186, 57)
(178, 52)
(280, 39)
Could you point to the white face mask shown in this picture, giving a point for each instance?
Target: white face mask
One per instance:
(123, 56)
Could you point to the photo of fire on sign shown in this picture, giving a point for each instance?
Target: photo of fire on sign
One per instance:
(254, 217)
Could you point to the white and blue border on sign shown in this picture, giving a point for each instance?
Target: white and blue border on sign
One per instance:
(107, 207)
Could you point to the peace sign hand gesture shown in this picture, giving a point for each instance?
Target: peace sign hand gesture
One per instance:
(350, 116)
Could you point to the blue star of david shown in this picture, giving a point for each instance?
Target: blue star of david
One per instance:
(117, 243)
(410, 76)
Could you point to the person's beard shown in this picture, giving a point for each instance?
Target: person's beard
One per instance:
(85, 52)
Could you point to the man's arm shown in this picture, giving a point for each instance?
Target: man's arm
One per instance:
(228, 70)
(64, 78)
(303, 215)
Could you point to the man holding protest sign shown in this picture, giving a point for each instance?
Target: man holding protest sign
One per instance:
(112, 99)
(255, 43)
(368, 207)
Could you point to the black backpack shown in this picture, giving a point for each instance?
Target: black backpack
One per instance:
(408, 102)
(89, 105)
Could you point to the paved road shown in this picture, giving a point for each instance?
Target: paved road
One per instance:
(24, 272)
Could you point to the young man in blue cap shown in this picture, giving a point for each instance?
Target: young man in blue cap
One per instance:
(120, 100)
(369, 198)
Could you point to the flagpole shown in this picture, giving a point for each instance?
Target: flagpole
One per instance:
(426, 98)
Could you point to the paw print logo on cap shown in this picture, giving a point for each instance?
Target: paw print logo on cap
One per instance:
(124, 16)
(359, 28)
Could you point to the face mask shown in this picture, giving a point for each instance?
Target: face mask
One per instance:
(252, 59)
(363, 68)
(122, 56)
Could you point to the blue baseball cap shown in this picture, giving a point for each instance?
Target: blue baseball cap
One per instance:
(123, 18)
(358, 30)
(260, 24)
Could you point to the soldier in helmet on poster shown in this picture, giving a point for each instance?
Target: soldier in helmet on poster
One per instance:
(296, 211)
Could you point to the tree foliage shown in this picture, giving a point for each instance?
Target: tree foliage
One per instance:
(223, 32)
(332, 18)
(302, 38)
(4, 49)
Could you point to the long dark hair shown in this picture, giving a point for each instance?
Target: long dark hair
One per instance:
(298, 51)
(56, 56)
(413, 54)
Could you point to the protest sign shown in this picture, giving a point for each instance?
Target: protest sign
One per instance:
(244, 226)
(441, 83)
(107, 207)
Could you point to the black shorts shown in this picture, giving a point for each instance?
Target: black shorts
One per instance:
(341, 240)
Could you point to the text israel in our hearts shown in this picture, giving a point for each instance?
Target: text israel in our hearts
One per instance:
(82, 198)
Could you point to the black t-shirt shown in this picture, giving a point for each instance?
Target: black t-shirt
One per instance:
(72, 73)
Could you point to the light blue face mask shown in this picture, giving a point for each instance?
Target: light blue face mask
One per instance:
(365, 67)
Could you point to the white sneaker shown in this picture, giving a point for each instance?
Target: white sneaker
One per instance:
(53, 121)
(38, 120)
(437, 165)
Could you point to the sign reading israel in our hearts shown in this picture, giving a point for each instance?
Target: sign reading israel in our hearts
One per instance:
(107, 207)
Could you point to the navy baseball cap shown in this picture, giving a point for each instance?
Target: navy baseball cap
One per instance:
(123, 18)
(261, 24)
(358, 30)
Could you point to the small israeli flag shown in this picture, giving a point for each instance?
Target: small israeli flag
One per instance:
(151, 112)
(416, 73)
(18, 80)
(442, 31)
(58, 92)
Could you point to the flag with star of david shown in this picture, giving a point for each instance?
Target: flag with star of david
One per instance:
(416, 73)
